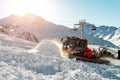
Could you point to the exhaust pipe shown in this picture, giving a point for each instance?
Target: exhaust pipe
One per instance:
(118, 54)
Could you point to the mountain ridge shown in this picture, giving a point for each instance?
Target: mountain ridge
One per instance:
(43, 29)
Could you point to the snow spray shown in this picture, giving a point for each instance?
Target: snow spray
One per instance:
(59, 45)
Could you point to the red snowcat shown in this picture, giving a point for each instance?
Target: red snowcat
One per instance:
(74, 47)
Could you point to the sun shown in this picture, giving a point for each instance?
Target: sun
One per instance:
(42, 7)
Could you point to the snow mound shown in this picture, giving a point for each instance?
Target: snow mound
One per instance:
(48, 48)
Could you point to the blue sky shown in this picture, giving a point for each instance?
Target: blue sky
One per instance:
(66, 12)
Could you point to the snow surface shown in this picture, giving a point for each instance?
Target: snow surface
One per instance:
(23, 60)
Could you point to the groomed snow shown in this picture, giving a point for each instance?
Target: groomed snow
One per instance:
(23, 60)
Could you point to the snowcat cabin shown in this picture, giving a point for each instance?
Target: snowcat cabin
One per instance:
(74, 45)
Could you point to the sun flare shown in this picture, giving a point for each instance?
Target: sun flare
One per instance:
(42, 7)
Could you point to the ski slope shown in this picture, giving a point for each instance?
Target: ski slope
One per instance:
(23, 60)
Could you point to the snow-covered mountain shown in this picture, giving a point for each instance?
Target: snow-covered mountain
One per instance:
(24, 60)
(39, 28)
(108, 33)
(116, 37)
